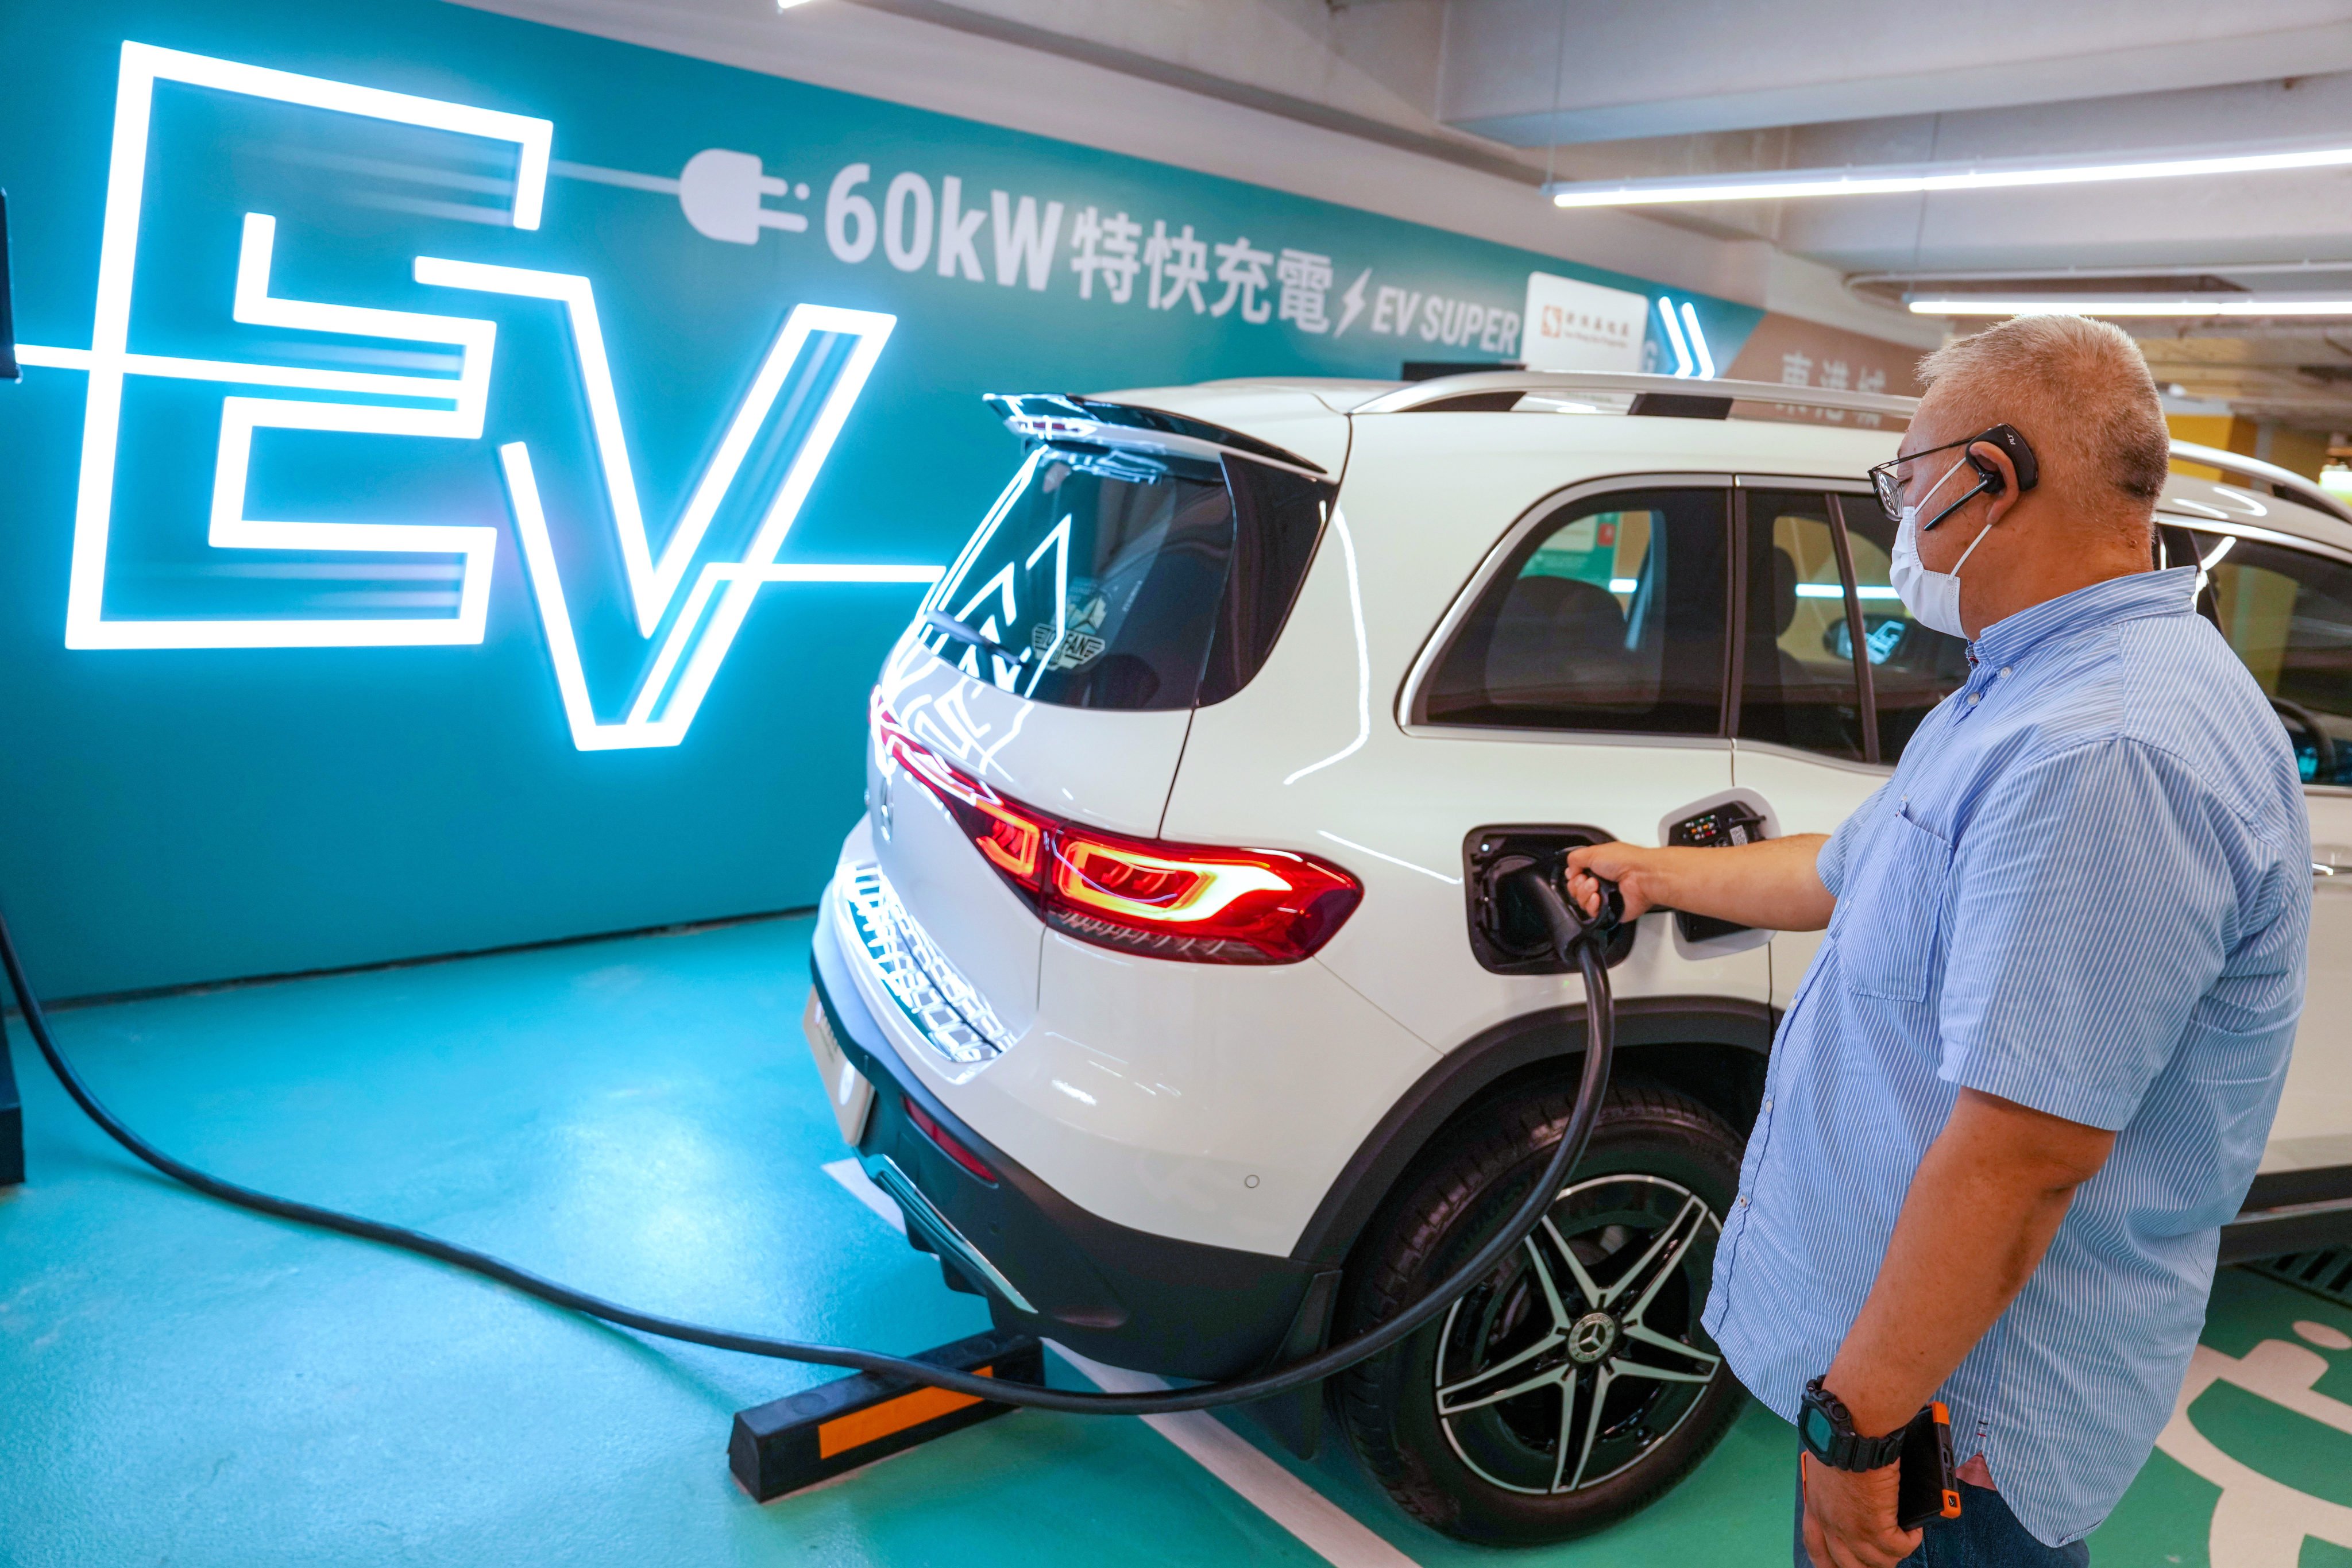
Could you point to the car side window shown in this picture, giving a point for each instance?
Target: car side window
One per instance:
(1798, 685)
(1609, 616)
(1912, 666)
(2288, 614)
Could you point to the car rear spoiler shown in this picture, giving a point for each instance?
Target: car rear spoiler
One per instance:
(1066, 416)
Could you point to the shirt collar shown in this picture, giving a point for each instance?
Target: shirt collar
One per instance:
(2126, 598)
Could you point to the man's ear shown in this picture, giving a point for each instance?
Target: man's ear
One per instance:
(1992, 464)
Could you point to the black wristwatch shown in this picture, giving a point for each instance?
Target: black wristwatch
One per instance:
(1825, 1427)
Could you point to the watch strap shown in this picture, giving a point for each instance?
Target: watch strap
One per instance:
(1825, 1427)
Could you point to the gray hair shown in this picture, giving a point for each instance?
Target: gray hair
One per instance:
(2080, 393)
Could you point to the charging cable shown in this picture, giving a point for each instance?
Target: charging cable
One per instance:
(1576, 939)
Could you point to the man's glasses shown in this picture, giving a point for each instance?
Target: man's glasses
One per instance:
(1889, 486)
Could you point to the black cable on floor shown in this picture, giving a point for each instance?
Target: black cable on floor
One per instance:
(1600, 1045)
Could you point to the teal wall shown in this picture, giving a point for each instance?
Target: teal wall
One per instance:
(173, 814)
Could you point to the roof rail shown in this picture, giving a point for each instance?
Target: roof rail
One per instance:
(1692, 398)
(1440, 392)
(2280, 479)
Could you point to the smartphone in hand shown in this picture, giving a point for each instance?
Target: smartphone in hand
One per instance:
(1926, 1487)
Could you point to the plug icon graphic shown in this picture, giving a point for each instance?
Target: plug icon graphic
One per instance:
(720, 192)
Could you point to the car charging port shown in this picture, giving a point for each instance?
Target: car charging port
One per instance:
(1507, 871)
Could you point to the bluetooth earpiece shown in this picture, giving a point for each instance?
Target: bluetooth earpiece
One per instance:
(2021, 458)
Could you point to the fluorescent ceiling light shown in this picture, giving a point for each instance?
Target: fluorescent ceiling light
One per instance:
(2194, 306)
(1883, 180)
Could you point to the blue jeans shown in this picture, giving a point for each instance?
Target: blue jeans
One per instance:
(1986, 1535)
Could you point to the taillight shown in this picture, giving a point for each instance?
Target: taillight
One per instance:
(1011, 836)
(1186, 902)
(1015, 843)
(1181, 900)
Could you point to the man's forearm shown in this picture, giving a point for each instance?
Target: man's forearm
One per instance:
(1774, 886)
(1981, 1211)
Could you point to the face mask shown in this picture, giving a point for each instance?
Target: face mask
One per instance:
(1932, 597)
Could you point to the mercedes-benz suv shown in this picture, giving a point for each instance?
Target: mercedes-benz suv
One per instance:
(1162, 983)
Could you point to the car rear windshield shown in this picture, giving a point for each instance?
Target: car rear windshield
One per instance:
(1110, 577)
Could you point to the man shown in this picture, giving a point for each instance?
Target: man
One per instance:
(2031, 1070)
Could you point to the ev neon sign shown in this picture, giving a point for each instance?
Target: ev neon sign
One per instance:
(702, 617)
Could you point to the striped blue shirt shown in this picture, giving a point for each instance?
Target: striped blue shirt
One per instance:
(2086, 890)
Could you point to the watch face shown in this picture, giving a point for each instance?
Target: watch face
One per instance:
(1818, 1432)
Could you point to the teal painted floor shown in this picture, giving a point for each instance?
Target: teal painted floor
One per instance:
(188, 1384)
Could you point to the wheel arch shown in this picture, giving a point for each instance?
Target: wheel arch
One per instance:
(1711, 1048)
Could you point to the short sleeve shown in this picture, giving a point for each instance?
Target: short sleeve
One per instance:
(2093, 909)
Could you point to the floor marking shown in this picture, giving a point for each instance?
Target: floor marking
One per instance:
(852, 1176)
(1322, 1526)
(2325, 1337)
(2258, 1523)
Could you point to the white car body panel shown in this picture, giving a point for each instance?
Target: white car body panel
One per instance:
(1810, 795)
(1153, 1098)
(1207, 1105)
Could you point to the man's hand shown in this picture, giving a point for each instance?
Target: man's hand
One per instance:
(1849, 1517)
(1773, 885)
(1622, 864)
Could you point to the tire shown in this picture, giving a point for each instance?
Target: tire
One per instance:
(1640, 1217)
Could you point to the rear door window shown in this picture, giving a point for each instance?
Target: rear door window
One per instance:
(2288, 614)
(1912, 666)
(1608, 617)
(1798, 685)
(1110, 577)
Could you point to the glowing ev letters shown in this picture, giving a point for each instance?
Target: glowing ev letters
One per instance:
(713, 607)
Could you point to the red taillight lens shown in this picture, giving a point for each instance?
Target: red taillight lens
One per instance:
(928, 1125)
(1015, 843)
(1012, 838)
(1192, 903)
(1185, 901)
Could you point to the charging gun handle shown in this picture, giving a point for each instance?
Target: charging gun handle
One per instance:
(1612, 909)
(1569, 924)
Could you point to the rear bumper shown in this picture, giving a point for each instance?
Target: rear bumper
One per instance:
(1121, 1295)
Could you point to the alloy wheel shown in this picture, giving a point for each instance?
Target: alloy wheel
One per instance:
(1583, 1352)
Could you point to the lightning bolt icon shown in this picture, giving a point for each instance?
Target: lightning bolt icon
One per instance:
(1353, 299)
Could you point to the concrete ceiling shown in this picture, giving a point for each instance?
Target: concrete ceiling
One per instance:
(1534, 72)
(1970, 81)
(1506, 93)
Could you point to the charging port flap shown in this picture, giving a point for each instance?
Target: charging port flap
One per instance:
(1722, 821)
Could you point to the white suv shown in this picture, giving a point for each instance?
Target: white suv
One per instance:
(1164, 984)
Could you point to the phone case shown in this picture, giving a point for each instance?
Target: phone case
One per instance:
(1926, 1487)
